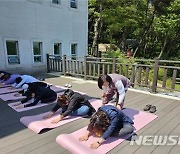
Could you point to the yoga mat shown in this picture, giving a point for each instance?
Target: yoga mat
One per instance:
(57, 88)
(7, 85)
(31, 107)
(71, 143)
(8, 90)
(10, 96)
(37, 123)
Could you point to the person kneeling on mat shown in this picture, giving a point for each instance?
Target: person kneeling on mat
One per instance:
(72, 103)
(45, 95)
(107, 121)
(28, 86)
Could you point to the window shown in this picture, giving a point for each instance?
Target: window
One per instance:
(73, 4)
(56, 2)
(57, 50)
(12, 52)
(36, 1)
(73, 51)
(37, 51)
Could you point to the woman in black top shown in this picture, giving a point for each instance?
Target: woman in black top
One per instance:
(72, 103)
(45, 95)
(27, 88)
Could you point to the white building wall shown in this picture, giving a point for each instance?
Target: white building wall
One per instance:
(27, 21)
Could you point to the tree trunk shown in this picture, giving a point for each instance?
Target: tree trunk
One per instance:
(96, 34)
(97, 30)
(144, 34)
(124, 40)
(163, 48)
(145, 47)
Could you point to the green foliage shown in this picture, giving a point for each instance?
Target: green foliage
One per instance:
(155, 26)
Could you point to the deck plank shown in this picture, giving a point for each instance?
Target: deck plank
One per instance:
(16, 138)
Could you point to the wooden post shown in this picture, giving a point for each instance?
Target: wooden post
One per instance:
(155, 78)
(48, 66)
(85, 68)
(132, 79)
(114, 65)
(174, 79)
(64, 64)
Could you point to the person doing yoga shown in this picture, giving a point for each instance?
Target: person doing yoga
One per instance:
(107, 121)
(71, 103)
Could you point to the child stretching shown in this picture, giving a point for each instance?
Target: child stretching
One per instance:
(107, 121)
(72, 103)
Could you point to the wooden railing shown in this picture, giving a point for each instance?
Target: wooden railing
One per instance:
(54, 63)
(156, 75)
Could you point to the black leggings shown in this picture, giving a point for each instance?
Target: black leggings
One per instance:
(49, 99)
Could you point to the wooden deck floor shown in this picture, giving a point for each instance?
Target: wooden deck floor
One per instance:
(15, 138)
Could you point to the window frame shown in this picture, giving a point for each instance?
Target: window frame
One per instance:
(56, 5)
(60, 50)
(9, 56)
(59, 2)
(74, 56)
(41, 52)
(36, 1)
(76, 3)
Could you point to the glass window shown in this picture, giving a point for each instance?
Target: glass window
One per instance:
(73, 4)
(36, 1)
(56, 1)
(57, 50)
(12, 52)
(73, 50)
(37, 51)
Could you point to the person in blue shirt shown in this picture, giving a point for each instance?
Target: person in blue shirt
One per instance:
(108, 121)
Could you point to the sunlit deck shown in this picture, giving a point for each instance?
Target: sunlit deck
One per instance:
(15, 138)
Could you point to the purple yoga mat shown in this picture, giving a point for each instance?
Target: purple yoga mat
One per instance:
(8, 90)
(31, 107)
(71, 143)
(3, 86)
(10, 96)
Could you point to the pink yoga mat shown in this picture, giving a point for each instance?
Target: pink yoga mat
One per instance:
(37, 123)
(59, 88)
(10, 96)
(31, 107)
(71, 143)
(8, 90)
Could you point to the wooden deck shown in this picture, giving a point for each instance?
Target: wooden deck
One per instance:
(15, 138)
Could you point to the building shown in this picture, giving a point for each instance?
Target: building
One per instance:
(29, 29)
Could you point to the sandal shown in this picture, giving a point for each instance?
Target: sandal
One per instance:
(152, 109)
(147, 107)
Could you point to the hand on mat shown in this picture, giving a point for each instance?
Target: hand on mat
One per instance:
(17, 94)
(94, 145)
(17, 104)
(55, 121)
(49, 115)
(12, 88)
(83, 138)
(20, 106)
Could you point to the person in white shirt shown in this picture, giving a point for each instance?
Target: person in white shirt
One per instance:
(24, 79)
(114, 85)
